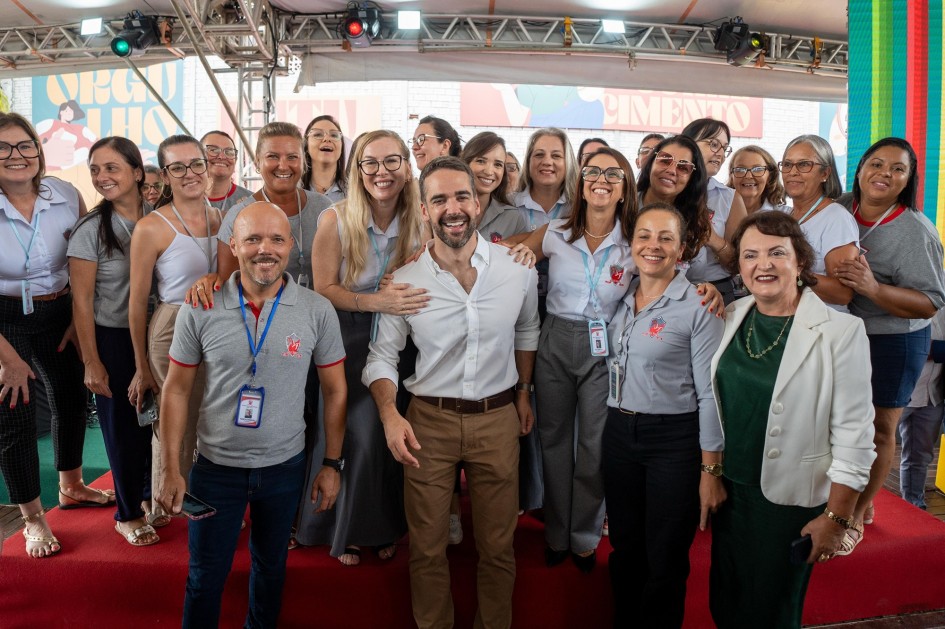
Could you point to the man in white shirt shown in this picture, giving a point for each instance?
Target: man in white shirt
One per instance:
(477, 340)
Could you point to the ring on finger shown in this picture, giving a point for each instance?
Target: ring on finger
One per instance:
(199, 288)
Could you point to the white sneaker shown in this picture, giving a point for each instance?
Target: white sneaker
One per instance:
(456, 530)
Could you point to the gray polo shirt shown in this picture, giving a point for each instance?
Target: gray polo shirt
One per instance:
(499, 221)
(114, 271)
(665, 352)
(305, 328)
(303, 227)
(232, 199)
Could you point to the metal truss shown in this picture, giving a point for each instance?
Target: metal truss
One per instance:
(250, 34)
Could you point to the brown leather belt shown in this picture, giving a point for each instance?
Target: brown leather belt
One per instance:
(49, 297)
(469, 407)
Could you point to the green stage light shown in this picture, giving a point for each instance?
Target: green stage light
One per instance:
(121, 47)
(139, 33)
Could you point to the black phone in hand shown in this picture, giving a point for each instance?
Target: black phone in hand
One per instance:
(801, 549)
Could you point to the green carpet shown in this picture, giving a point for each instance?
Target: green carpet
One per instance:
(94, 464)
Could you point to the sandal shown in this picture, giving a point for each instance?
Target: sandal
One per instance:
(869, 514)
(293, 542)
(385, 552)
(47, 541)
(74, 503)
(157, 520)
(134, 537)
(354, 556)
(851, 539)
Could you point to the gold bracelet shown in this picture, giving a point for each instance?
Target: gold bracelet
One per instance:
(847, 523)
(356, 304)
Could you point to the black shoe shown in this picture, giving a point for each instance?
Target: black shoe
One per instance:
(585, 564)
(554, 557)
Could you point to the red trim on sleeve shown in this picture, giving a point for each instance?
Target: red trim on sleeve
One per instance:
(337, 362)
(177, 362)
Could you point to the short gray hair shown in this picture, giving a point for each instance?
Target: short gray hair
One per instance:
(832, 186)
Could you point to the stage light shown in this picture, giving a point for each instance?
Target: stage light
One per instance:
(614, 27)
(408, 20)
(361, 26)
(90, 26)
(749, 49)
(730, 35)
(139, 33)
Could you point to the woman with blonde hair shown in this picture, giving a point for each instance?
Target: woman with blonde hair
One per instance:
(753, 174)
(358, 243)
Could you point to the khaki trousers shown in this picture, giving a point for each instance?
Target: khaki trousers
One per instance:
(487, 444)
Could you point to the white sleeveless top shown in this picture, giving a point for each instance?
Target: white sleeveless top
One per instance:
(182, 263)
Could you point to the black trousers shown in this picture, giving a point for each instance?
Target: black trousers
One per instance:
(35, 337)
(127, 444)
(651, 485)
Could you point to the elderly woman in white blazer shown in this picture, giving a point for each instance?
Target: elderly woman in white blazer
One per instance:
(791, 379)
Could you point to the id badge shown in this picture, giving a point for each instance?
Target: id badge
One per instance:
(303, 280)
(27, 295)
(249, 408)
(615, 381)
(598, 333)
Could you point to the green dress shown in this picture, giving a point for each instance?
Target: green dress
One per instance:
(752, 580)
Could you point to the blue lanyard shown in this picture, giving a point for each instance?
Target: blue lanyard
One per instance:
(249, 335)
(812, 208)
(26, 249)
(592, 282)
(382, 266)
(553, 214)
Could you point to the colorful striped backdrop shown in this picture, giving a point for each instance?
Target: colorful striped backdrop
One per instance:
(895, 87)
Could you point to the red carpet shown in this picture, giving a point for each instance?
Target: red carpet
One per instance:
(98, 580)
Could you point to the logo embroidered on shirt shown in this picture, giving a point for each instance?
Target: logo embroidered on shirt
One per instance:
(495, 236)
(292, 345)
(656, 326)
(616, 274)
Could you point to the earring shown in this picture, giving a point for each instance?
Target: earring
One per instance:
(621, 200)
(799, 282)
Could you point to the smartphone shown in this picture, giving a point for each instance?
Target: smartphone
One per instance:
(801, 549)
(149, 409)
(196, 509)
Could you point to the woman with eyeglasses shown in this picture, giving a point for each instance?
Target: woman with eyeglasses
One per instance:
(588, 147)
(36, 325)
(485, 154)
(809, 173)
(325, 158)
(434, 137)
(647, 144)
(725, 208)
(898, 285)
(221, 159)
(360, 240)
(175, 244)
(152, 187)
(512, 171)
(589, 270)
(753, 174)
(99, 272)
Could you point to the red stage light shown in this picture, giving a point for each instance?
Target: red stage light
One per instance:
(354, 28)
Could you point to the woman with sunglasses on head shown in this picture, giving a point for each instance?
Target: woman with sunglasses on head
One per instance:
(725, 208)
(99, 272)
(485, 154)
(36, 326)
(898, 285)
(753, 174)
(221, 159)
(152, 186)
(376, 229)
(434, 137)
(809, 173)
(175, 244)
(325, 158)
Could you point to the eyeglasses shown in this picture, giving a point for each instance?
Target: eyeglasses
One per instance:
(511, 168)
(156, 187)
(26, 148)
(715, 146)
(318, 135)
(682, 165)
(179, 169)
(644, 150)
(803, 166)
(214, 151)
(756, 171)
(420, 139)
(611, 175)
(391, 163)
(584, 157)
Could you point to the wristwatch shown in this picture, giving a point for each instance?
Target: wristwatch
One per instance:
(335, 464)
(715, 469)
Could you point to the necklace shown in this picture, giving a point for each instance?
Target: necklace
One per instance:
(751, 329)
(587, 233)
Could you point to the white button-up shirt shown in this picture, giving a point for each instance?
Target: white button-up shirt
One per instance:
(466, 341)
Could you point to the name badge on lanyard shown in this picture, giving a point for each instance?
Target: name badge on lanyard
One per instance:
(26, 292)
(615, 380)
(596, 328)
(249, 405)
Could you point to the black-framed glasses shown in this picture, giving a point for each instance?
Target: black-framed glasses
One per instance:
(215, 151)
(319, 134)
(147, 187)
(611, 175)
(682, 165)
(391, 164)
(715, 146)
(26, 149)
(511, 167)
(644, 150)
(756, 171)
(179, 169)
(420, 139)
(803, 166)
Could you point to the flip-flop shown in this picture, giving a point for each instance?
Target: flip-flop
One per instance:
(74, 503)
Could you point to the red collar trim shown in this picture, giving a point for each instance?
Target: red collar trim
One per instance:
(256, 311)
(225, 196)
(859, 219)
